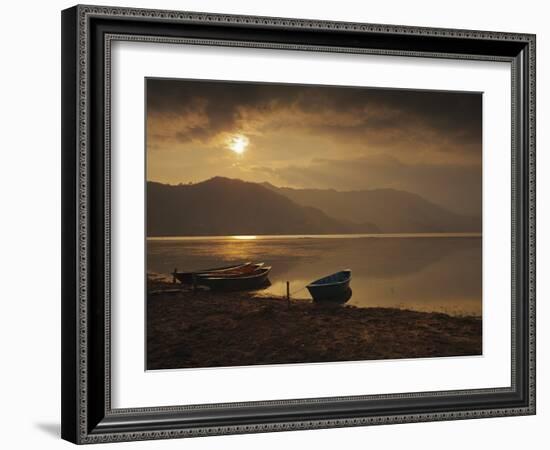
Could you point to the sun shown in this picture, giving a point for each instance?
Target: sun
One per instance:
(238, 144)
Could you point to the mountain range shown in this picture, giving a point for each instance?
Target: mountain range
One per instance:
(223, 206)
(393, 211)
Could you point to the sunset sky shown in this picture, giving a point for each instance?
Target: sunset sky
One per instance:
(300, 136)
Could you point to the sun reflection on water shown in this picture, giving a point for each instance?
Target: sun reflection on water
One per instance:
(244, 237)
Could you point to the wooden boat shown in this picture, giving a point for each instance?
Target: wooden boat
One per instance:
(239, 282)
(188, 277)
(244, 270)
(333, 287)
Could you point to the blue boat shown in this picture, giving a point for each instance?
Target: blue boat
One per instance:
(332, 287)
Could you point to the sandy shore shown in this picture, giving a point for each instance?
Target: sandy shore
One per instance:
(206, 329)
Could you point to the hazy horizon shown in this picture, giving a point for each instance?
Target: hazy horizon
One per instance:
(290, 187)
(318, 137)
(191, 183)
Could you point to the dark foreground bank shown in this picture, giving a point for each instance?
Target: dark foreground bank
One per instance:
(205, 329)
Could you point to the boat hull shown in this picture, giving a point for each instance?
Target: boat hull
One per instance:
(191, 277)
(247, 282)
(248, 269)
(335, 287)
(326, 293)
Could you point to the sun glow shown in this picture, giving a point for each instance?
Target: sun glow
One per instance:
(238, 144)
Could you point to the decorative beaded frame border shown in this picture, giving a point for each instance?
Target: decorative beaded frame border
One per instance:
(84, 14)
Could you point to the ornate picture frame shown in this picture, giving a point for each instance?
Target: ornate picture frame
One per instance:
(87, 35)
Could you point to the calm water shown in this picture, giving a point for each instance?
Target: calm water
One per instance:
(422, 272)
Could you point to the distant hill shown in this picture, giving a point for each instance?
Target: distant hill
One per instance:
(392, 211)
(223, 206)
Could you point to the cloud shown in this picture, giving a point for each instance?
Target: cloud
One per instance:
(445, 121)
(426, 142)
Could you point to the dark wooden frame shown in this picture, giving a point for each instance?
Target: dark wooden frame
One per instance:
(87, 32)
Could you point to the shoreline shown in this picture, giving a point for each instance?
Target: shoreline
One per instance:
(473, 234)
(188, 329)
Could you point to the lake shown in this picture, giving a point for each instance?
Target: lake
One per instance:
(432, 272)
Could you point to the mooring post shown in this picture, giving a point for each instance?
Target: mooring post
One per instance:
(288, 294)
(194, 283)
(174, 275)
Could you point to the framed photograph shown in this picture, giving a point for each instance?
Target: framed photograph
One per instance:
(279, 224)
